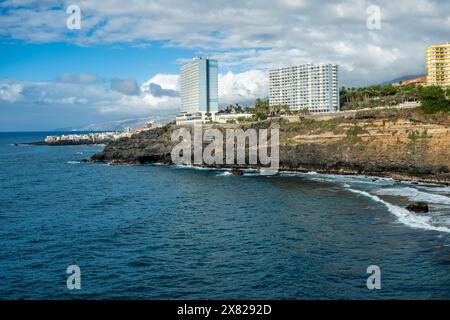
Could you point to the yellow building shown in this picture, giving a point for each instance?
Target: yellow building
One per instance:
(438, 65)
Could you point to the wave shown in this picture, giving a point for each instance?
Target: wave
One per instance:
(297, 174)
(405, 216)
(435, 188)
(194, 167)
(226, 173)
(351, 179)
(414, 195)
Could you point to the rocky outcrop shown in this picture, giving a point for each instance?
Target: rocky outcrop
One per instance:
(418, 207)
(402, 144)
(237, 172)
(147, 147)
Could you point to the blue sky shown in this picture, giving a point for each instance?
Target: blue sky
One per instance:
(124, 61)
(45, 62)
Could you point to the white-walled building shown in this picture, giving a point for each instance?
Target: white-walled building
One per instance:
(226, 117)
(314, 87)
(199, 91)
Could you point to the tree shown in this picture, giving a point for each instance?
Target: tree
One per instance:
(286, 109)
(433, 100)
(260, 116)
(388, 90)
(304, 111)
(261, 106)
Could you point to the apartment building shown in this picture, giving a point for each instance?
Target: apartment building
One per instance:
(306, 86)
(438, 65)
(199, 91)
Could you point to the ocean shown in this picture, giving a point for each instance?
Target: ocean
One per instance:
(168, 232)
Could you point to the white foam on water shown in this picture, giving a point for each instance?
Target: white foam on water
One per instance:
(289, 174)
(226, 173)
(190, 166)
(436, 188)
(251, 174)
(350, 179)
(415, 195)
(404, 216)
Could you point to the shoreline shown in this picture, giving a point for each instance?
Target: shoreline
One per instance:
(60, 144)
(342, 172)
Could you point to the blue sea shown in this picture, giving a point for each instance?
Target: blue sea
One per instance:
(168, 232)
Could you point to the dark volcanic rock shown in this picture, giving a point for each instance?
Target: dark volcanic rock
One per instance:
(147, 147)
(419, 207)
(237, 172)
(383, 148)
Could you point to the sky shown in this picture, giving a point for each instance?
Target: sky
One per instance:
(124, 61)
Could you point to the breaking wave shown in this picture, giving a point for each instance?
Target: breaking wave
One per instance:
(414, 195)
(403, 215)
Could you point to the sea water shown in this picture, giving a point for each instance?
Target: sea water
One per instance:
(170, 232)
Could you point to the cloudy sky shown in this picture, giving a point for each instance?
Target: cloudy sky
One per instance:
(125, 59)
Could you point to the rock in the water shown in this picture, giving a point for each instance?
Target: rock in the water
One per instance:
(418, 207)
(237, 172)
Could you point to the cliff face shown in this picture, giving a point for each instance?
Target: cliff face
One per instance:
(404, 144)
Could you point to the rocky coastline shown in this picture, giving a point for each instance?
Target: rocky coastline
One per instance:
(65, 143)
(398, 144)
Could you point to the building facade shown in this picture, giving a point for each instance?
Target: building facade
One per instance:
(417, 81)
(199, 91)
(438, 65)
(306, 86)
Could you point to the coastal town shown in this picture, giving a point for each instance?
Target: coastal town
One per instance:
(87, 138)
(398, 130)
(309, 88)
(225, 158)
(95, 137)
(295, 92)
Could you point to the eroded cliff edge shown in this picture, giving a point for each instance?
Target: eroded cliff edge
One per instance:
(402, 144)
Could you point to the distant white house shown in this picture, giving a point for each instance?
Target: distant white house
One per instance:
(226, 117)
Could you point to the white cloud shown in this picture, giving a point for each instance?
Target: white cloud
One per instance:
(242, 87)
(159, 94)
(122, 98)
(166, 81)
(248, 35)
(10, 92)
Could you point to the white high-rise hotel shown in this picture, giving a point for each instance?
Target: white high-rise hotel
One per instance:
(315, 87)
(199, 91)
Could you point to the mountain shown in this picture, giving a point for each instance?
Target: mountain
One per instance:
(120, 125)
